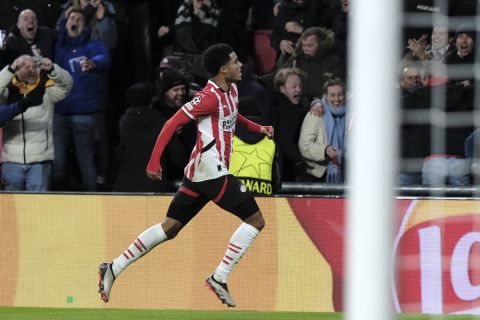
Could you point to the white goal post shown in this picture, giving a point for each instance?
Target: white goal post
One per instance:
(373, 56)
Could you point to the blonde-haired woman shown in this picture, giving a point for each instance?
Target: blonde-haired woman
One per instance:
(322, 139)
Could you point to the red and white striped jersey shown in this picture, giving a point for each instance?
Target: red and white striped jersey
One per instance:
(215, 113)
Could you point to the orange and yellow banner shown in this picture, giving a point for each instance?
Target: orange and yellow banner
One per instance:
(51, 246)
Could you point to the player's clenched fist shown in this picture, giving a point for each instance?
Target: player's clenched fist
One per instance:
(268, 131)
(154, 170)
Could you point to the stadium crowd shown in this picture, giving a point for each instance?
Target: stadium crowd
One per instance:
(87, 85)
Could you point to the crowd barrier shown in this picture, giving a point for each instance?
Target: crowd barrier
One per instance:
(52, 245)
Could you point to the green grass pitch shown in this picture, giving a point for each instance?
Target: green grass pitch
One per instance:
(8, 313)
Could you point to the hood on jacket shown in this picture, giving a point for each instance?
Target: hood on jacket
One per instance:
(141, 118)
(325, 38)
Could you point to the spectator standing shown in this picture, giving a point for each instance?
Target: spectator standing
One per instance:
(294, 17)
(100, 19)
(174, 94)
(464, 52)
(415, 128)
(437, 50)
(47, 11)
(316, 55)
(322, 141)
(196, 26)
(447, 164)
(426, 147)
(27, 37)
(86, 60)
(28, 148)
(290, 111)
(139, 128)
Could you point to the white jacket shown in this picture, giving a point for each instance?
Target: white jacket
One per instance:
(28, 138)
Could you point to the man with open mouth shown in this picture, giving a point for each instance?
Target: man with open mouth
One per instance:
(87, 60)
(27, 37)
(99, 17)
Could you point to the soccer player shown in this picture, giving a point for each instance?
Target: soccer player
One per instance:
(206, 176)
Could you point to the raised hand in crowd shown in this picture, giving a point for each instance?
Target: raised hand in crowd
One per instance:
(17, 64)
(100, 9)
(163, 31)
(92, 8)
(286, 46)
(418, 47)
(46, 65)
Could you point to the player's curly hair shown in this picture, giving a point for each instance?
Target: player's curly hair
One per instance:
(215, 57)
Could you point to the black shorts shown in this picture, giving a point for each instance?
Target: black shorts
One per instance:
(226, 191)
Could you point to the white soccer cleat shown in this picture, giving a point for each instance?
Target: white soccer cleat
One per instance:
(221, 290)
(105, 280)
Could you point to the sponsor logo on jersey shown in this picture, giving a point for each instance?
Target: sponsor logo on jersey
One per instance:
(229, 123)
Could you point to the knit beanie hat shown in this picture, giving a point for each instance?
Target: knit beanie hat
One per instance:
(172, 78)
(465, 28)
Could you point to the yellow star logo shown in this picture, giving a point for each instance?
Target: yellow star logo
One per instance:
(251, 159)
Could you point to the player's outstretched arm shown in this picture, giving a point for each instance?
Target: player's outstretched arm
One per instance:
(154, 169)
(255, 127)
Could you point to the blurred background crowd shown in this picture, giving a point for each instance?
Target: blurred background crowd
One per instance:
(87, 85)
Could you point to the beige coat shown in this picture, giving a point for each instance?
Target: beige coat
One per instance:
(28, 138)
(312, 144)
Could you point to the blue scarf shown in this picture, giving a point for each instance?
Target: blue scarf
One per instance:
(334, 120)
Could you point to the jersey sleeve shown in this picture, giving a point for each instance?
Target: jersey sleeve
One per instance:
(201, 105)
